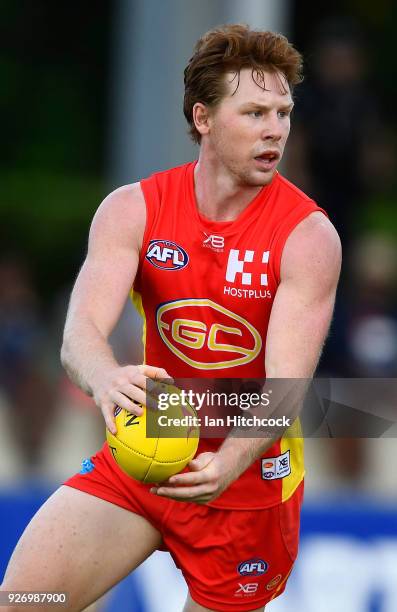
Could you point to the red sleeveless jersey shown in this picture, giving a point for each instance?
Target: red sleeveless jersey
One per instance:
(205, 289)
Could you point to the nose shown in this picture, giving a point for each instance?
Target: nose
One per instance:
(272, 129)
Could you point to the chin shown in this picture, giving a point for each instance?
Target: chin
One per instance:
(260, 179)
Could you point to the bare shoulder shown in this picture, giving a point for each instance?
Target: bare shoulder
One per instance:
(313, 250)
(121, 215)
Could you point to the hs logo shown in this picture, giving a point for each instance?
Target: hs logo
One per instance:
(235, 266)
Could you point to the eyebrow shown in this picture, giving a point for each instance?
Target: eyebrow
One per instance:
(264, 107)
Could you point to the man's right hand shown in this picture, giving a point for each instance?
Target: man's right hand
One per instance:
(124, 386)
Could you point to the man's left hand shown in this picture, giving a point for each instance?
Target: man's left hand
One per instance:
(207, 479)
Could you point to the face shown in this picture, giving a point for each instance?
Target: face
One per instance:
(246, 133)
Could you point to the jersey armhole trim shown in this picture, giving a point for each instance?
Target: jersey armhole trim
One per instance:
(150, 195)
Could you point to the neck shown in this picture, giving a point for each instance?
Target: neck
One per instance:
(219, 196)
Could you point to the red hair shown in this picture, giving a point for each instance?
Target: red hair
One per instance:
(229, 49)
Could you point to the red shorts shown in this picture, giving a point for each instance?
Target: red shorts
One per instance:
(231, 559)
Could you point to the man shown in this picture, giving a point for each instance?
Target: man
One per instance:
(235, 271)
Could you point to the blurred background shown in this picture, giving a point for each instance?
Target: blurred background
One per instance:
(91, 98)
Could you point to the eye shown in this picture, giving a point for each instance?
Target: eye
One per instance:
(284, 113)
(256, 114)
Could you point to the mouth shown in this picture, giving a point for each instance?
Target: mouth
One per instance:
(269, 158)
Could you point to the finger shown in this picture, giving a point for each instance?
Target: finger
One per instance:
(125, 402)
(154, 372)
(108, 415)
(135, 394)
(197, 499)
(188, 478)
(138, 380)
(186, 493)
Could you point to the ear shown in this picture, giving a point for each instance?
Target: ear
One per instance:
(201, 118)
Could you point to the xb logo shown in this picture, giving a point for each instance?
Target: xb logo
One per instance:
(216, 242)
(247, 589)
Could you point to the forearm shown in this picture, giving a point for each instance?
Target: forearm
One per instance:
(86, 354)
(240, 453)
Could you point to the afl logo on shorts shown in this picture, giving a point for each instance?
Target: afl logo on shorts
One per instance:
(166, 255)
(268, 469)
(253, 567)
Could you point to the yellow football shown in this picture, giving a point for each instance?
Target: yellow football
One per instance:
(154, 458)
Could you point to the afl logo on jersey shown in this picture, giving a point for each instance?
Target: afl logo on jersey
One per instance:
(206, 335)
(166, 255)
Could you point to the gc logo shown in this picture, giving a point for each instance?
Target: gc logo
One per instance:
(206, 335)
